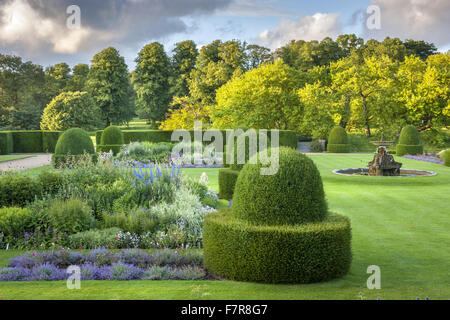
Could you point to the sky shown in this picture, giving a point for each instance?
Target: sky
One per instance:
(51, 31)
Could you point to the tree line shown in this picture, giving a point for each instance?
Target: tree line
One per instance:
(306, 85)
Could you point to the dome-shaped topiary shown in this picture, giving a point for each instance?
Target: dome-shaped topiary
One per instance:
(291, 196)
(111, 140)
(338, 141)
(112, 135)
(73, 142)
(446, 157)
(409, 142)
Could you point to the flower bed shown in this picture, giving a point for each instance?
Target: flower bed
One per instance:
(102, 264)
(426, 158)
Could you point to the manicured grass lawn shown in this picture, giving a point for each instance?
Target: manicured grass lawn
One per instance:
(401, 225)
(12, 157)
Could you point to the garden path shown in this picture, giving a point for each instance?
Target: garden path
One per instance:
(35, 161)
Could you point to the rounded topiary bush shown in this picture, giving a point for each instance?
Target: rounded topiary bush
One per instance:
(446, 157)
(409, 142)
(293, 195)
(73, 143)
(227, 182)
(111, 140)
(338, 141)
(301, 253)
(279, 229)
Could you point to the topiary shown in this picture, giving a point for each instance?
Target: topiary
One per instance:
(293, 195)
(73, 143)
(111, 140)
(338, 141)
(409, 142)
(446, 157)
(227, 182)
(279, 230)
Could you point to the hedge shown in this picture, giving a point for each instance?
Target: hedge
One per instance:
(17, 190)
(6, 143)
(27, 141)
(115, 148)
(409, 142)
(303, 253)
(49, 140)
(403, 149)
(338, 148)
(227, 182)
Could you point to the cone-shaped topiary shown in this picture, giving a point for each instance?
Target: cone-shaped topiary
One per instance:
(409, 142)
(293, 195)
(338, 141)
(279, 230)
(111, 139)
(74, 142)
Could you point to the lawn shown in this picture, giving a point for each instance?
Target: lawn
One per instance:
(13, 157)
(399, 224)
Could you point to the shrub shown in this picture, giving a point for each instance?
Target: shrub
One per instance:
(111, 139)
(6, 143)
(50, 182)
(409, 142)
(71, 110)
(27, 141)
(301, 253)
(70, 216)
(94, 238)
(293, 195)
(446, 157)
(288, 139)
(138, 220)
(316, 146)
(72, 143)
(227, 182)
(338, 141)
(14, 222)
(17, 190)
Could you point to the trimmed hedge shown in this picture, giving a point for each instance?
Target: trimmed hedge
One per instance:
(303, 253)
(74, 142)
(294, 194)
(409, 142)
(17, 190)
(49, 140)
(288, 139)
(227, 182)
(27, 141)
(338, 141)
(6, 143)
(115, 148)
(338, 148)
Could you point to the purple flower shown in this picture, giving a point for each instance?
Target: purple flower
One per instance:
(14, 274)
(122, 271)
(47, 272)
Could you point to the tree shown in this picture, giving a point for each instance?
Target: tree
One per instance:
(262, 98)
(185, 114)
(420, 49)
(183, 62)
(151, 82)
(79, 78)
(217, 63)
(109, 84)
(255, 56)
(71, 110)
(57, 77)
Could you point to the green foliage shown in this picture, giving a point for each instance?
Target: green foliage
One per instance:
(14, 222)
(183, 62)
(109, 85)
(49, 140)
(50, 182)
(301, 253)
(264, 97)
(316, 146)
(6, 143)
(409, 142)
(436, 139)
(112, 135)
(27, 141)
(71, 110)
(73, 142)
(17, 190)
(294, 194)
(94, 238)
(138, 220)
(338, 141)
(151, 82)
(227, 182)
(446, 157)
(70, 216)
(289, 139)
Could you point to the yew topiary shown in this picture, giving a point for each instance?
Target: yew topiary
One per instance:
(73, 143)
(111, 139)
(409, 142)
(338, 141)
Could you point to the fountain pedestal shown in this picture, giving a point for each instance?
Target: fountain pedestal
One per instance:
(383, 164)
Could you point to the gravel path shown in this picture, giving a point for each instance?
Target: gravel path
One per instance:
(35, 161)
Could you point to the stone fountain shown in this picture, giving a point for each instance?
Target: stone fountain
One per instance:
(383, 164)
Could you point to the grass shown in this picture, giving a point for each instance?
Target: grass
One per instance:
(399, 224)
(13, 157)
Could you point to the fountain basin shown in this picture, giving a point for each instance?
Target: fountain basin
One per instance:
(365, 172)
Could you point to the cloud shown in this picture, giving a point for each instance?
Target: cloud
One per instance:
(426, 20)
(315, 27)
(38, 28)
